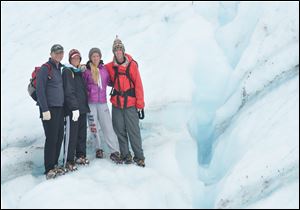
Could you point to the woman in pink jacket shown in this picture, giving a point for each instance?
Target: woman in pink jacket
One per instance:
(97, 79)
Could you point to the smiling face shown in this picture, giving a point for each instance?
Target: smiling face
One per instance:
(57, 56)
(95, 58)
(75, 61)
(119, 55)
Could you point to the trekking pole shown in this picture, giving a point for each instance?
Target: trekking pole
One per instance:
(67, 139)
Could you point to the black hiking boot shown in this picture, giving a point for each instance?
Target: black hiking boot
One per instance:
(100, 154)
(70, 166)
(115, 157)
(127, 159)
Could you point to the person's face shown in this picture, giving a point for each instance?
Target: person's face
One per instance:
(119, 55)
(75, 61)
(57, 56)
(95, 59)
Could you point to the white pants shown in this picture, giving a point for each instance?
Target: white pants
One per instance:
(101, 116)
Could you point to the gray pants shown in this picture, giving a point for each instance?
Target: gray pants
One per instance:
(101, 116)
(126, 123)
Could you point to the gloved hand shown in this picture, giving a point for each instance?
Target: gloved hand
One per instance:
(47, 115)
(83, 67)
(75, 114)
(141, 114)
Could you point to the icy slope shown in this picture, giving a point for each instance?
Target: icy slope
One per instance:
(221, 83)
(249, 146)
(168, 181)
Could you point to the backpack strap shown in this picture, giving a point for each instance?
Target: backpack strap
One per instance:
(49, 67)
(116, 69)
(129, 92)
(128, 75)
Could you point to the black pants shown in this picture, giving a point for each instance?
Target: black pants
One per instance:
(75, 139)
(82, 131)
(54, 132)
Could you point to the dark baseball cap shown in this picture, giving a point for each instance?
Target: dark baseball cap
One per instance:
(57, 48)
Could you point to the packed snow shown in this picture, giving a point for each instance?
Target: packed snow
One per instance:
(221, 82)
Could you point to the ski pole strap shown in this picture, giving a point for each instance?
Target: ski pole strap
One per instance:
(141, 114)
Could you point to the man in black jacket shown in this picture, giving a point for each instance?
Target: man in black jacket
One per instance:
(76, 107)
(50, 98)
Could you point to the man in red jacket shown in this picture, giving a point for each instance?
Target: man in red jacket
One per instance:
(127, 98)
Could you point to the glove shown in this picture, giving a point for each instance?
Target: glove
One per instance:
(75, 115)
(46, 115)
(141, 114)
(83, 68)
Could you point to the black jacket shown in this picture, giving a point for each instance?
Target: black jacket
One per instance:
(74, 91)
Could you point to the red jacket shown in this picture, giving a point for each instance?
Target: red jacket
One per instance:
(138, 100)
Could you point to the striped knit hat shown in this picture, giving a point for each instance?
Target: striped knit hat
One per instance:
(118, 45)
(73, 53)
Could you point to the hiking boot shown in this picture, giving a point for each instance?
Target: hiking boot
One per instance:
(99, 154)
(82, 161)
(59, 170)
(139, 162)
(71, 166)
(115, 157)
(51, 174)
(127, 159)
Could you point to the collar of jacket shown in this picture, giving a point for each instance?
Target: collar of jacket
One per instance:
(73, 68)
(52, 62)
(125, 63)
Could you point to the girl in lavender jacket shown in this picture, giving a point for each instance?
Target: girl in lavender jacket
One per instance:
(97, 79)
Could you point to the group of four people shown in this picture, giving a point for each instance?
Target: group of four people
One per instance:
(70, 94)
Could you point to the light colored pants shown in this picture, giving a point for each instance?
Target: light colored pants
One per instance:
(101, 116)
